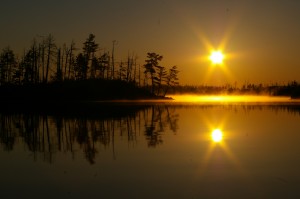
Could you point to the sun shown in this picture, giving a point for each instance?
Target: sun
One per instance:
(216, 57)
(217, 135)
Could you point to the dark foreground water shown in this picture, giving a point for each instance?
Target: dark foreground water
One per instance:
(151, 151)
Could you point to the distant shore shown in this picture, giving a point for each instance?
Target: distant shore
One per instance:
(104, 90)
(76, 91)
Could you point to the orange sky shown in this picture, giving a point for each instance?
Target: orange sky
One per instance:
(260, 38)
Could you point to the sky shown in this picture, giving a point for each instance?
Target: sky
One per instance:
(260, 38)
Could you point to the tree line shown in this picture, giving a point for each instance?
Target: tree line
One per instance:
(46, 62)
(291, 88)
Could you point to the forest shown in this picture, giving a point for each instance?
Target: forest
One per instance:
(291, 89)
(48, 71)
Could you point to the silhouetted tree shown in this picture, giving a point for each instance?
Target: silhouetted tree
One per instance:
(103, 62)
(7, 65)
(34, 62)
(171, 78)
(42, 59)
(80, 67)
(89, 49)
(29, 64)
(71, 59)
(122, 71)
(129, 68)
(95, 66)
(58, 75)
(160, 78)
(113, 59)
(152, 63)
(51, 47)
(18, 74)
(64, 61)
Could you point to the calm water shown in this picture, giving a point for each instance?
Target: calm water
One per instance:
(151, 151)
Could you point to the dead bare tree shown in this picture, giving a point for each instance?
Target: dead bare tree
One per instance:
(51, 47)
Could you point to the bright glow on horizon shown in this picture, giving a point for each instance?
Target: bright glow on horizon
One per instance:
(228, 98)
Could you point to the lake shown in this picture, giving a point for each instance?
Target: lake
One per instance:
(151, 150)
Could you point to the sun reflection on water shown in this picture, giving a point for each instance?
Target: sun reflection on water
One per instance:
(219, 147)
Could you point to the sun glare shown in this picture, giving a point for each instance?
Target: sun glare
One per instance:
(227, 98)
(217, 135)
(216, 57)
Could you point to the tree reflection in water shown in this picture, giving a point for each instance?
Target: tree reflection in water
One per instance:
(89, 128)
(45, 134)
(156, 121)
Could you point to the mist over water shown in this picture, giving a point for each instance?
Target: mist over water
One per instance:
(230, 98)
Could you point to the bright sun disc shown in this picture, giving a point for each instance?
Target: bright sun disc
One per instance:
(217, 135)
(216, 57)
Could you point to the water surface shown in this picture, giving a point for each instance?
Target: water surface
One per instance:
(152, 150)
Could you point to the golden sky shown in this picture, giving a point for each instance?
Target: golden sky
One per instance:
(260, 39)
